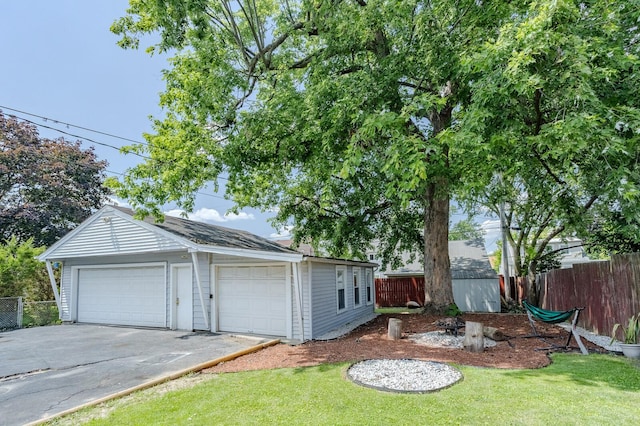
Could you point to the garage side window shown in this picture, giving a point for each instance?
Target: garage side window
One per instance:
(341, 287)
(369, 285)
(356, 287)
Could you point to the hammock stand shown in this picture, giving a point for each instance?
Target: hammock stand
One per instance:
(554, 317)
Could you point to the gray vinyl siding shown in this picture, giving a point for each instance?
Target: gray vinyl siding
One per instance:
(65, 293)
(205, 279)
(326, 317)
(113, 237)
(306, 305)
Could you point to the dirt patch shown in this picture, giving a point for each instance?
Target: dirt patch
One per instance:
(370, 341)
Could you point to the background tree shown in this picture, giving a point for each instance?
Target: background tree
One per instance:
(21, 274)
(47, 187)
(612, 233)
(465, 229)
(557, 92)
(338, 113)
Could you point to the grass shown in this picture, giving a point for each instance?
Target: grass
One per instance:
(399, 310)
(574, 389)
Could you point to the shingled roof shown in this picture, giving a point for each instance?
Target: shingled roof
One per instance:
(212, 235)
(469, 260)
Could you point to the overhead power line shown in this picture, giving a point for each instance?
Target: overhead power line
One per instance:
(80, 137)
(53, 120)
(84, 138)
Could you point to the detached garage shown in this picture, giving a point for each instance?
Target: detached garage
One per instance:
(186, 275)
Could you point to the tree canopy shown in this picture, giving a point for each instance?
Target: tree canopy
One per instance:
(357, 120)
(47, 187)
(335, 113)
(557, 105)
(466, 229)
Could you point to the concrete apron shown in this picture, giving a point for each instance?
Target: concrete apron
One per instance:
(159, 381)
(49, 371)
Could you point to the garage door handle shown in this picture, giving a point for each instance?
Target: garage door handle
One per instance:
(177, 300)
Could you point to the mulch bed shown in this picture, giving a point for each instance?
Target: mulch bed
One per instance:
(370, 341)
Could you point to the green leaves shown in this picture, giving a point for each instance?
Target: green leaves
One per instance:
(20, 272)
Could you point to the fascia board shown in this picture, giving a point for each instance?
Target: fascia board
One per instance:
(257, 254)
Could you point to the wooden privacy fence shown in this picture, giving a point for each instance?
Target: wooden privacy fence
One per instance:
(398, 291)
(609, 291)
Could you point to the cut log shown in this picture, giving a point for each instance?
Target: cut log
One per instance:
(473, 337)
(493, 333)
(395, 329)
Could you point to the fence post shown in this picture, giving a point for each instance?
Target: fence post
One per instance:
(19, 319)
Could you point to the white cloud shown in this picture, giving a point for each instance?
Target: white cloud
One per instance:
(211, 215)
(284, 232)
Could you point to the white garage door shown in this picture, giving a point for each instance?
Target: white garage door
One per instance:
(252, 299)
(123, 296)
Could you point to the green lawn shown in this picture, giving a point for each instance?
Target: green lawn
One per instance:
(575, 389)
(398, 310)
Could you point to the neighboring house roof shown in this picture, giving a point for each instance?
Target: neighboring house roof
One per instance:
(303, 248)
(469, 260)
(309, 253)
(173, 233)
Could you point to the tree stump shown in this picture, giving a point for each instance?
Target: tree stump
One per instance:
(473, 337)
(394, 329)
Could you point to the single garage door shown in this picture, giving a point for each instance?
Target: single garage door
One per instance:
(252, 299)
(123, 295)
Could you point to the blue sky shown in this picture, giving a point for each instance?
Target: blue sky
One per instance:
(60, 61)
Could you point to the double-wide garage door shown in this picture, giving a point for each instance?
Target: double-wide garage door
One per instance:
(123, 295)
(252, 299)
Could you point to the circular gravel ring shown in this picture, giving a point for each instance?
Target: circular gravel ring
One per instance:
(403, 375)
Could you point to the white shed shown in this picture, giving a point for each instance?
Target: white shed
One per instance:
(187, 275)
(476, 287)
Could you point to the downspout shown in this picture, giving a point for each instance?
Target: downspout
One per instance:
(54, 287)
(205, 312)
(298, 294)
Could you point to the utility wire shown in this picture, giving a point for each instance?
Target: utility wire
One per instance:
(94, 141)
(80, 137)
(73, 125)
(83, 137)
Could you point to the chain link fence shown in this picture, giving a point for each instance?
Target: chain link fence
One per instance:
(10, 313)
(40, 313)
(14, 313)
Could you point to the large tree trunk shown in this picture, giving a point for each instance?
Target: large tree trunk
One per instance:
(437, 268)
(438, 291)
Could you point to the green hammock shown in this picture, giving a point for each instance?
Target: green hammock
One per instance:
(555, 317)
(551, 317)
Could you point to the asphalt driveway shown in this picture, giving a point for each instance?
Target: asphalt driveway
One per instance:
(48, 370)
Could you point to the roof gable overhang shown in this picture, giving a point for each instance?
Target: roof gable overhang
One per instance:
(118, 233)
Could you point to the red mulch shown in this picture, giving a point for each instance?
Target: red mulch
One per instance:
(370, 341)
